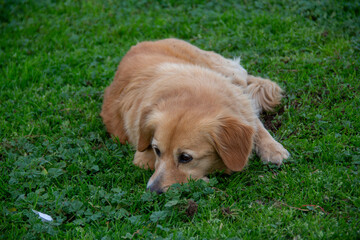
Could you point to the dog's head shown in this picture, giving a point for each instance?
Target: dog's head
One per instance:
(191, 143)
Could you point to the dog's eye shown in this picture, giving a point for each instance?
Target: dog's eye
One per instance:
(185, 158)
(157, 150)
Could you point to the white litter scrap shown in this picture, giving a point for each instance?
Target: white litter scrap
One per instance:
(44, 217)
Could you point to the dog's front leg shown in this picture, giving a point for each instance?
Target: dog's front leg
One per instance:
(268, 149)
(145, 159)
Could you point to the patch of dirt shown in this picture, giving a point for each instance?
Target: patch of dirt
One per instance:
(226, 211)
(269, 122)
(191, 208)
(325, 34)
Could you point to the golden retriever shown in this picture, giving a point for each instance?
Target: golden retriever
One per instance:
(189, 112)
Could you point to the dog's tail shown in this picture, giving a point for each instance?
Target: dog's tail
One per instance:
(265, 93)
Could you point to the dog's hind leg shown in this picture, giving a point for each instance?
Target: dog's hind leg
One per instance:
(265, 93)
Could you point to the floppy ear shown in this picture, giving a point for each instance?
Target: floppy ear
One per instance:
(146, 130)
(233, 142)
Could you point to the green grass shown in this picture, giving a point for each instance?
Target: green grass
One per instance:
(57, 57)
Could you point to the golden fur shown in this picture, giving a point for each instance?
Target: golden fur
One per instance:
(189, 112)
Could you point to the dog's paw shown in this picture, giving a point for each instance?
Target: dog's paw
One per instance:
(145, 159)
(273, 152)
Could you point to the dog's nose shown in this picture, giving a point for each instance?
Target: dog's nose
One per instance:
(155, 186)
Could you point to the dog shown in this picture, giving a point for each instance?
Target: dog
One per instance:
(189, 112)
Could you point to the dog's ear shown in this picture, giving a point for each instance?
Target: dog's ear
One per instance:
(233, 141)
(146, 130)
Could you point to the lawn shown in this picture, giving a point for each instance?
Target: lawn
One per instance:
(57, 57)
